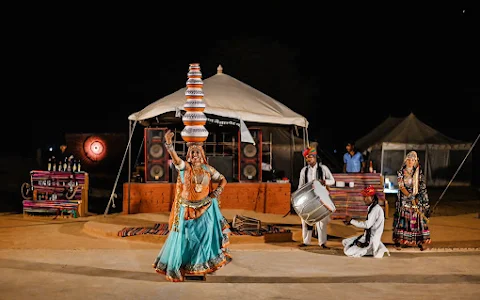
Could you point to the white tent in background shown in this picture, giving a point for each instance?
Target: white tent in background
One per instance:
(439, 154)
(229, 98)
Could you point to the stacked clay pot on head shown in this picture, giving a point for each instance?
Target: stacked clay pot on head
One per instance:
(194, 118)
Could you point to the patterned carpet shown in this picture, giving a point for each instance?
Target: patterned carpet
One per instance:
(157, 229)
(162, 229)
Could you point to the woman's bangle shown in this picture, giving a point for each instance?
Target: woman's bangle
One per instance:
(169, 147)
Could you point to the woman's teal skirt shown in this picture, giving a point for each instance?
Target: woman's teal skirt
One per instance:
(195, 247)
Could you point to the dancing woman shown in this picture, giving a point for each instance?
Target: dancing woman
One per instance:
(199, 234)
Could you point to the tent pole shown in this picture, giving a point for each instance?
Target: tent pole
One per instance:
(308, 141)
(304, 138)
(271, 147)
(459, 167)
(381, 160)
(130, 133)
(112, 195)
(304, 162)
(292, 151)
(425, 171)
(139, 151)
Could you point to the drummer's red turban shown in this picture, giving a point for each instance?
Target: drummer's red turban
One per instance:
(309, 151)
(368, 191)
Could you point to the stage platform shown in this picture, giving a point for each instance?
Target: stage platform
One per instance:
(261, 197)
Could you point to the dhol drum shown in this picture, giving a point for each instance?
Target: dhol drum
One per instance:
(312, 202)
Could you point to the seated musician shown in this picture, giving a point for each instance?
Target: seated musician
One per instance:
(370, 242)
(312, 171)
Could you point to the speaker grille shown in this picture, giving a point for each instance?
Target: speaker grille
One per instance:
(156, 172)
(250, 151)
(156, 156)
(250, 158)
(156, 151)
(250, 171)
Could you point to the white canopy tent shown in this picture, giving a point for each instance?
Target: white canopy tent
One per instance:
(225, 97)
(228, 97)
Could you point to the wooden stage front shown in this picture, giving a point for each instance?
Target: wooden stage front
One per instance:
(262, 197)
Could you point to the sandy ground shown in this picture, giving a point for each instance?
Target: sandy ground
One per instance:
(258, 274)
(459, 231)
(42, 258)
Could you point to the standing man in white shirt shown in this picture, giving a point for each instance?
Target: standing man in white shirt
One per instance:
(312, 171)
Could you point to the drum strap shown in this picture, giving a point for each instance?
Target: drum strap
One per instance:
(319, 176)
(319, 173)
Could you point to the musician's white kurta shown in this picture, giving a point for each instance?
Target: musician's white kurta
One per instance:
(376, 220)
(321, 225)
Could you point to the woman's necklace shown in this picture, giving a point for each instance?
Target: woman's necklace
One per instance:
(409, 171)
(198, 186)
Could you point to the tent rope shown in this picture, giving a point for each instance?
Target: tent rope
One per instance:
(113, 195)
(458, 169)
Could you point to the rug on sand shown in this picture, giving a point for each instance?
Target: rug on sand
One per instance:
(162, 229)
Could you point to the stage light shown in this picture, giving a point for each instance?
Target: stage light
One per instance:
(50, 149)
(94, 148)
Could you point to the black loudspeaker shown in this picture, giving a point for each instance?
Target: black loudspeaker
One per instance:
(223, 164)
(250, 158)
(156, 156)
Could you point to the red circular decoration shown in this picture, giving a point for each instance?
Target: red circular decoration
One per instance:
(95, 148)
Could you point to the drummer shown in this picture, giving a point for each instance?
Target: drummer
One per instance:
(315, 170)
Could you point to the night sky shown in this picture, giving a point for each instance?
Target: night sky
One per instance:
(344, 70)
